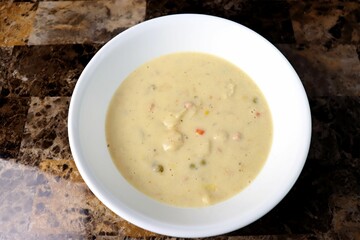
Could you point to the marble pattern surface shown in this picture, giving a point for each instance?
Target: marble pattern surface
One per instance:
(323, 22)
(45, 131)
(325, 72)
(84, 21)
(16, 22)
(269, 18)
(44, 47)
(41, 71)
(13, 113)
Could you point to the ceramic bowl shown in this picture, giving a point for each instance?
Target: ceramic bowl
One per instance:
(243, 47)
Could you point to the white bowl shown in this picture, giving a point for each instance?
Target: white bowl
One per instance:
(274, 75)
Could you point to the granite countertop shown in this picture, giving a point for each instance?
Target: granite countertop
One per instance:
(44, 46)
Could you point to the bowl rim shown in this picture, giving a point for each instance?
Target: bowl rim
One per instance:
(147, 223)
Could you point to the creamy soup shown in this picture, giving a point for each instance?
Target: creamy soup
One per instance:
(189, 129)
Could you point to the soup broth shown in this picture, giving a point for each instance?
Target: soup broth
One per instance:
(189, 129)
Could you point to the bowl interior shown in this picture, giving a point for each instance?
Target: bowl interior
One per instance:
(189, 32)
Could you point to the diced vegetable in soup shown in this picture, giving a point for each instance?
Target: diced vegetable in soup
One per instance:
(189, 129)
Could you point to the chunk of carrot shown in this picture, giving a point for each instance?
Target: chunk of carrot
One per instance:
(199, 131)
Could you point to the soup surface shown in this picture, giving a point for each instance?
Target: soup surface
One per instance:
(189, 129)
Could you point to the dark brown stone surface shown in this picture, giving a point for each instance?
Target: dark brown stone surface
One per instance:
(45, 131)
(13, 113)
(270, 19)
(46, 70)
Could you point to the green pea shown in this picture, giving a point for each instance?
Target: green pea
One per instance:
(192, 166)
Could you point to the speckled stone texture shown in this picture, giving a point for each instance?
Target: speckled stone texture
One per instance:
(5, 57)
(17, 197)
(12, 120)
(84, 21)
(44, 70)
(16, 21)
(44, 47)
(271, 19)
(325, 71)
(323, 22)
(52, 202)
(45, 131)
